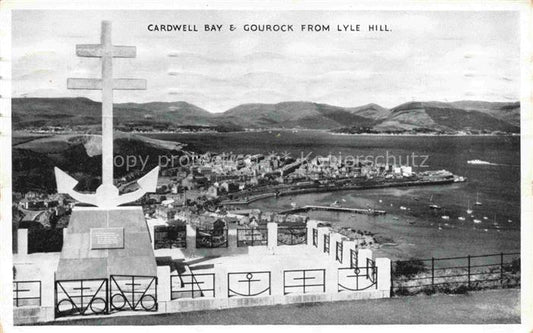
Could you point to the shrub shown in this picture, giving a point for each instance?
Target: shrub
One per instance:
(512, 267)
(401, 291)
(408, 268)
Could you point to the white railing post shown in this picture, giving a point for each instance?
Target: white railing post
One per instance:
(22, 241)
(163, 284)
(384, 275)
(272, 229)
(362, 256)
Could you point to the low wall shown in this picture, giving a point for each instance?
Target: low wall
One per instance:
(32, 315)
(188, 305)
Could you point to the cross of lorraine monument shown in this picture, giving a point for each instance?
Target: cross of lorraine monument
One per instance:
(106, 239)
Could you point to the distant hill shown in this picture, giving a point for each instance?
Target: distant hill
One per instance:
(293, 115)
(452, 117)
(372, 111)
(34, 112)
(429, 116)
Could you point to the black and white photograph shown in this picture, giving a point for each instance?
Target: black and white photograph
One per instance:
(285, 166)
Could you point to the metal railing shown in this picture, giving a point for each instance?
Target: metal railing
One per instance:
(249, 284)
(25, 293)
(132, 291)
(304, 281)
(338, 253)
(315, 237)
(211, 238)
(170, 237)
(252, 237)
(326, 243)
(192, 285)
(471, 272)
(292, 235)
(81, 297)
(354, 258)
(357, 279)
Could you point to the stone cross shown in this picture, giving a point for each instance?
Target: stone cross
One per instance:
(107, 194)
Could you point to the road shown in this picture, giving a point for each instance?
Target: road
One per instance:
(486, 307)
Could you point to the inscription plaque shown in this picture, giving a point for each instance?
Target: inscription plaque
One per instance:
(107, 238)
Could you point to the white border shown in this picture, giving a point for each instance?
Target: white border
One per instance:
(433, 5)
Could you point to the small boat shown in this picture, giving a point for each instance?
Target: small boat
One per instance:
(380, 200)
(445, 217)
(486, 230)
(293, 204)
(494, 222)
(478, 203)
(433, 206)
(469, 210)
(485, 218)
(396, 218)
(477, 221)
(509, 221)
(403, 208)
(478, 162)
(460, 218)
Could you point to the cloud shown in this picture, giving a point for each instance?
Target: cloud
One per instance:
(428, 55)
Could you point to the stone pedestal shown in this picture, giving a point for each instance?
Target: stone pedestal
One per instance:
(100, 242)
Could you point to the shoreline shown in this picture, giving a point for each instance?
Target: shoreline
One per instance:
(24, 132)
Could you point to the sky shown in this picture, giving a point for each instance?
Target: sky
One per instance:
(442, 56)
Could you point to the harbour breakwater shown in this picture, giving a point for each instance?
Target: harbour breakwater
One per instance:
(329, 188)
(334, 209)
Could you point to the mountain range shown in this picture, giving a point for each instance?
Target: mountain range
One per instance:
(447, 117)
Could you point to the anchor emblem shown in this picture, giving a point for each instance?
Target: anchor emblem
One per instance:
(107, 195)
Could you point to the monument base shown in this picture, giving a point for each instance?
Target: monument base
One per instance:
(102, 242)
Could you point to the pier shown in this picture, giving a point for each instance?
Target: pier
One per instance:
(334, 209)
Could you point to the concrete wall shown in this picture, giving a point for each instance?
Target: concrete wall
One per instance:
(314, 258)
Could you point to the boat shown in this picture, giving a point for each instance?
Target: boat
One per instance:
(433, 206)
(380, 200)
(478, 203)
(445, 217)
(478, 162)
(477, 221)
(485, 218)
(293, 204)
(403, 208)
(460, 218)
(469, 210)
(509, 221)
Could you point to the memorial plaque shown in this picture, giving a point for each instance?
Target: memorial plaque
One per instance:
(107, 238)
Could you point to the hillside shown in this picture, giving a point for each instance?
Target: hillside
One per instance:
(293, 115)
(431, 116)
(36, 112)
(80, 156)
(451, 117)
